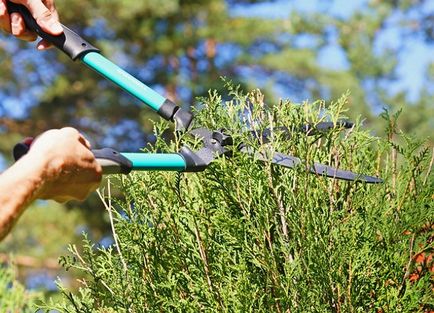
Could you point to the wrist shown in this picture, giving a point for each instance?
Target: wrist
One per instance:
(36, 171)
(22, 183)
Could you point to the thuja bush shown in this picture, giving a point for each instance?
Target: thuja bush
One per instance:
(13, 296)
(250, 236)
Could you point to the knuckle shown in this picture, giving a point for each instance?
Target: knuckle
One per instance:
(67, 128)
(44, 16)
(70, 131)
(45, 135)
(98, 174)
(3, 10)
(59, 164)
(50, 132)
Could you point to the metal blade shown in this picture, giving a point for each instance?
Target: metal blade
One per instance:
(284, 160)
(319, 169)
(332, 172)
(312, 129)
(202, 133)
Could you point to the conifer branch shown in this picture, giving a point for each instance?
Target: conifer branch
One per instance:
(428, 172)
(407, 268)
(108, 207)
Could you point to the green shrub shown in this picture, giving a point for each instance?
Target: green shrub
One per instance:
(13, 296)
(248, 236)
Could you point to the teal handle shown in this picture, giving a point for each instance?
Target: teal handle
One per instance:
(156, 161)
(164, 107)
(78, 48)
(111, 71)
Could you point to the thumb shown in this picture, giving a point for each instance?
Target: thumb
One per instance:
(45, 18)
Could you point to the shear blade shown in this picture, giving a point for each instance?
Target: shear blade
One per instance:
(326, 126)
(319, 169)
(329, 171)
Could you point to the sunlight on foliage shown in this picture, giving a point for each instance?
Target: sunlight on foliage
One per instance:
(249, 236)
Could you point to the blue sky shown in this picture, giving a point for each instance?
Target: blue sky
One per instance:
(282, 8)
(414, 55)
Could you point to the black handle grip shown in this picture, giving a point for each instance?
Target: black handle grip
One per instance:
(20, 150)
(69, 42)
(111, 161)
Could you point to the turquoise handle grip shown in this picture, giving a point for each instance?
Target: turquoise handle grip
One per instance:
(156, 161)
(78, 48)
(164, 107)
(111, 71)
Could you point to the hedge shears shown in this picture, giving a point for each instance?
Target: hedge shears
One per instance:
(215, 143)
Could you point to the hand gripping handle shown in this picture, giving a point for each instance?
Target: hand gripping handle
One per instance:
(69, 42)
(111, 161)
(78, 48)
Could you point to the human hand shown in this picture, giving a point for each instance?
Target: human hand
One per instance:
(43, 11)
(68, 168)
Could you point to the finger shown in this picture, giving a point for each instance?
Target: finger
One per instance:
(56, 196)
(84, 194)
(70, 131)
(88, 188)
(74, 132)
(19, 28)
(17, 25)
(84, 142)
(61, 199)
(5, 21)
(45, 18)
(98, 174)
(44, 45)
(52, 7)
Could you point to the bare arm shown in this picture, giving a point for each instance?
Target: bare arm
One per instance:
(19, 186)
(59, 166)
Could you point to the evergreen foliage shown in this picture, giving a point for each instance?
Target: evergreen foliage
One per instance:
(181, 47)
(248, 236)
(13, 296)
